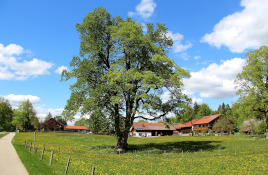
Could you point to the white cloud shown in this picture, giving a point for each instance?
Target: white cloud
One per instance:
(145, 9)
(12, 67)
(11, 49)
(60, 69)
(14, 100)
(43, 112)
(177, 39)
(197, 57)
(247, 29)
(197, 100)
(165, 96)
(215, 81)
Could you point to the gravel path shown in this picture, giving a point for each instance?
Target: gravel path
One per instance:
(10, 163)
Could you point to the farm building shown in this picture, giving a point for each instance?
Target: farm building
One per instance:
(186, 128)
(139, 129)
(205, 123)
(80, 129)
(52, 125)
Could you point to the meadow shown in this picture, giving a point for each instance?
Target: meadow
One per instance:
(159, 155)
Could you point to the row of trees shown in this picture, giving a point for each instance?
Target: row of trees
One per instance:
(97, 122)
(24, 117)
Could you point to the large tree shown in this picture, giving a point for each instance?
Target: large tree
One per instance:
(25, 116)
(253, 82)
(6, 115)
(123, 72)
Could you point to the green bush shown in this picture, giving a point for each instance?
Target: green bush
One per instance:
(261, 127)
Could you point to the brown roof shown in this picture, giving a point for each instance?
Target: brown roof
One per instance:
(207, 119)
(76, 127)
(151, 126)
(177, 125)
(189, 124)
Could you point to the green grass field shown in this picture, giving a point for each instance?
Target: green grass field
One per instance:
(217, 155)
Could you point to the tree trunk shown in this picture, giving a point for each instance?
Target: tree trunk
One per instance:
(122, 142)
(266, 133)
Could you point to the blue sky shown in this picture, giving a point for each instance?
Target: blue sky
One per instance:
(38, 39)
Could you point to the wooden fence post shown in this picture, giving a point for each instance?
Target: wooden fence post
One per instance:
(42, 153)
(51, 158)
(93, 170)
(34, 142)
(135, 153)
(35, 151)
(148, 154)
(30, 147)
(26, 144)
(66, 170)
(181, 153)
(220, 151)
(253, 150)
(165, 154)
(235, 151)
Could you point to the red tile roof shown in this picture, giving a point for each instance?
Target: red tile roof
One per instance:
(76, 127)
(151, 126)
(177, 125)
(189, 124)
(207, 119)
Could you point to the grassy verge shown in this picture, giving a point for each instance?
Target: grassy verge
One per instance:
(3, 135)
(201, 155)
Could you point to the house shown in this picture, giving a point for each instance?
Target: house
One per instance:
(186, 128)
(176, 126)
(80, 129)
(52, 125)
(139, 129)
(205, 123)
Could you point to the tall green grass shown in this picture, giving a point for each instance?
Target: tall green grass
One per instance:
(217, 155)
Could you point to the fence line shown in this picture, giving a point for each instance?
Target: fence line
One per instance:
(165, 154)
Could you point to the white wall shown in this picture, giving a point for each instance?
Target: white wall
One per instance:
(142, 134)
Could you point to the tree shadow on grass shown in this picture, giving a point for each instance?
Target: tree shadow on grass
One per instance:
(186, 146)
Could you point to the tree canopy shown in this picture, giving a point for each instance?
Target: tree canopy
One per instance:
(25, 116)
(123, 71)
(6, 115)
(253, 82)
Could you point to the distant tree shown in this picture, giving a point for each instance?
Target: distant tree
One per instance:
(143, 121)
(253, 82)
(223, 124)
(49, 116)
(186, 114)
(123, 71)
(195, 109)
(82, 122)
(240, 112)
(98, 122)
(25, 116)
(61, 119)
(261, 127)
(6, 115)
(203, 110)
(250, 125)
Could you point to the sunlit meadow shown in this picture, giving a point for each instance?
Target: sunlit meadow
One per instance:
(158, 155)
